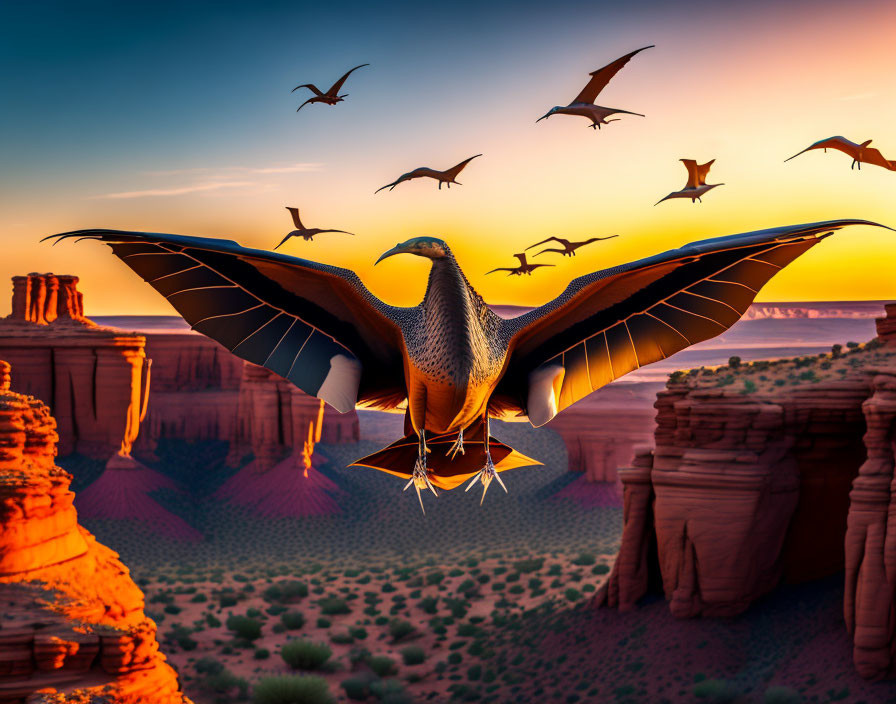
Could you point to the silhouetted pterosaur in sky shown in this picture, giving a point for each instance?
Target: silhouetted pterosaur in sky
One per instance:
(569, 248)
(583, 104)
(306, 233)
(696, 185)
(524, 267)
(329, 97)
(448, 176)
(859, 152)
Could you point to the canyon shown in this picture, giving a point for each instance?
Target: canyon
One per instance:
(769, 473)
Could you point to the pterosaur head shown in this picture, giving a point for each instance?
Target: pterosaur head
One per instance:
(425, 246)
(550, 112)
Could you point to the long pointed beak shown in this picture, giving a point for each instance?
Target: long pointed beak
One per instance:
(543, 118)
(397, 249)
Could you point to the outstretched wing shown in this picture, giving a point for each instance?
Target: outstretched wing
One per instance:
(314, 324)
(602, 76)
(696, 172)
(870, 155)
(310, 86)
(337, 86)
(455, 170)
(297, 221)
(549, 239)
(840, 143)
(611, 322)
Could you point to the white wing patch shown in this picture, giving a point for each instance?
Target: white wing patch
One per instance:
(340, 387)
(544, 390)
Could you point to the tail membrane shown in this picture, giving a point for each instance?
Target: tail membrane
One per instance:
(444, 472)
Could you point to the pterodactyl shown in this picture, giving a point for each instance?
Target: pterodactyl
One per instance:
(696, 185)
(524, 267)
(569, 248)
(583, 103)
(858, 152)
(451, 361)
(330, 97)
(306, 233)
(448, 176)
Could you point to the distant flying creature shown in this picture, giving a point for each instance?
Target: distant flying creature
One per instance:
(583, 104)
(447, 177)
(696, 185)
(524, 267)
(569, 248)
(859, 152)
(450, 361)
(306, 233)
(329, 97)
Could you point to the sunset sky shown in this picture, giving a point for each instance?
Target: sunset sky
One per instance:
(178, 118)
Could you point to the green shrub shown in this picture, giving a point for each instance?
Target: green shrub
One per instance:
(342, 638)
(287, 591)
(357, 688)
(429, 604)
(600, 569)
(584, 559)
(244, 627)
(172, 609)
(400, 629)
(734, 362)
(358, 632)
(323, 622)
(390, 692)
(413, 655)
(305, 655)
(199, 598)
(382, 665)
(572, 594)
(292, 620)
(262, 654)
(530, 565)
(333, 606)
(291, 689)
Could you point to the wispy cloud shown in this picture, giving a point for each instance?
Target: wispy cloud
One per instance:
(858, 96)
(182, 190)
(235, 170)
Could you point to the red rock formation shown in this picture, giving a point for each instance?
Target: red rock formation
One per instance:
(94, 378)
(745, 490)
(602, 430)
(886, 326)
(273, 417)
(869, 600)
(73, 619)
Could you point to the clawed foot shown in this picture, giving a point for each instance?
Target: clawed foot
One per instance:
(420, 480)
(458, 446)
(485, 475)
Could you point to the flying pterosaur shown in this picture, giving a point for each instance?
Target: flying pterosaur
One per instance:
(447, 177)
(331, 96)
(569, 248)
(696, 185)
(306, 233)
(860, 153)
(450, 361)
(524, 267)
(583, 103)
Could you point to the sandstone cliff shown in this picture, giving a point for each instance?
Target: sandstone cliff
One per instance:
(749, 484)
(95, 379)
(72, 626)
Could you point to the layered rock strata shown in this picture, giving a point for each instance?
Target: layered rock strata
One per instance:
(72, 626)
